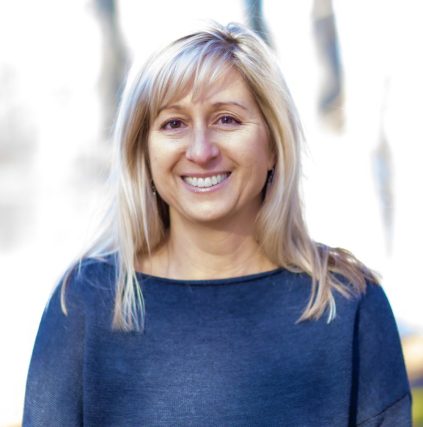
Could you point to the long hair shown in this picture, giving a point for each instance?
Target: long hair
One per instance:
(137, 221)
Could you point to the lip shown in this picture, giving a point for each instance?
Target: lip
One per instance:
(212, 189)
(205, 174)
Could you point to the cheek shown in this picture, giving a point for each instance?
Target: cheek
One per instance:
(158, 154)
(258, 153)
(156, 167)
(163, 158)
(159, 167)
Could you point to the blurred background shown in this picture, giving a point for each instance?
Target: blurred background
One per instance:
(354, 71)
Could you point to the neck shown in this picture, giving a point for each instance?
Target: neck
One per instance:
(207, 251)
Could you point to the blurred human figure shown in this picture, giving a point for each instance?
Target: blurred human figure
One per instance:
(256, 21)
(114, 62)
(326, 40)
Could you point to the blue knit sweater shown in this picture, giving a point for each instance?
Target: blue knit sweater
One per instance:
(224, 352)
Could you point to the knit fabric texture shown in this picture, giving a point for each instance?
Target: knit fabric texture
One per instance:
(223, 352)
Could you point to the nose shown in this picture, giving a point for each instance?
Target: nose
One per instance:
(201, 149)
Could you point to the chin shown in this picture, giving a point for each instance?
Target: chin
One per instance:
(211, 218)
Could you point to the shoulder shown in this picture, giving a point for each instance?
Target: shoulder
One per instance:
(94, 271)
(374, 310)
(373, 294)
(349, 296)
(84, 281)
(369, 309)
(376, 326)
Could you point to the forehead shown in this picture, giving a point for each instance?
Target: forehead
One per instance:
(190, 72)
(230, 88)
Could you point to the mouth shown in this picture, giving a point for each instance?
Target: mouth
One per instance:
(206, 182)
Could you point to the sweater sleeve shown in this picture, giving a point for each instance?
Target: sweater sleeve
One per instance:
(54, 384)
(382, 388)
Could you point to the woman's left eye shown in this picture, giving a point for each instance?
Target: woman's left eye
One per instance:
(228, 120)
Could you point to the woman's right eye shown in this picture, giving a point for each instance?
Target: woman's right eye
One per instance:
(172, 124)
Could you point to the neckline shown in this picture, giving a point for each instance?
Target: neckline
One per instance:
(145, 278)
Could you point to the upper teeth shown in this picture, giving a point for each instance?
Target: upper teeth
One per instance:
(205, 182)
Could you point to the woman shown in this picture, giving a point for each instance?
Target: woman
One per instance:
(204, 302)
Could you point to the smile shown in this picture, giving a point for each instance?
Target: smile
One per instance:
(205, 182)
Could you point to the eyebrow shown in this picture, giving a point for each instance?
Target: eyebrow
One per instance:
(224, 104)
(215, 105)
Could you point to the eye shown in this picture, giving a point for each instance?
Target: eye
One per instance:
(228, 120)
(172, 124)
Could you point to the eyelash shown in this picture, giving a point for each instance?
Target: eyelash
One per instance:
(234, 120)
(164, 125)
(179, 122)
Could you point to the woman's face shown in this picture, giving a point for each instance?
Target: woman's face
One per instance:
(210, 155)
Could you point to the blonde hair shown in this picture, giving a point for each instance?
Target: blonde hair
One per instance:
(137, 222)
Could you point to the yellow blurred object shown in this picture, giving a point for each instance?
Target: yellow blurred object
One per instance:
(413, 355)
(417, 406)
